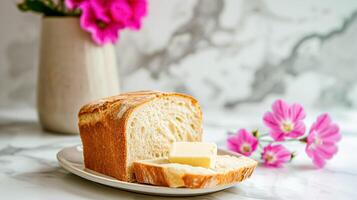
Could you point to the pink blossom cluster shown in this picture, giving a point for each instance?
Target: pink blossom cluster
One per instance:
(105, 18)
(286, 122)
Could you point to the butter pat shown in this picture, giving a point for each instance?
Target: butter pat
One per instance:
(200, 154)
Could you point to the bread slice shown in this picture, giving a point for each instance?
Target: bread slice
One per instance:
(117, 130)
(228, 169)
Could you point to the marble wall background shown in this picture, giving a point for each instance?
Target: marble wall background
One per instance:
(228, 53)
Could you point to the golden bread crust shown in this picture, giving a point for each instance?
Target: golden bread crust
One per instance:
(102, 126)
(156, 175)
(150, 174)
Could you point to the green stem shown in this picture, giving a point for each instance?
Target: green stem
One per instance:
(288, 140)
(263, 135)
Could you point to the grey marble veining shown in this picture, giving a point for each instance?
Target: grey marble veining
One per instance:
(228, 54)
(264, 53)
(29, 169)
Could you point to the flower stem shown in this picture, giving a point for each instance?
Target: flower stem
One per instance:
(263, 140)
(291, 140)
(303, 140)
(293, 155)
(264, 135)
(288, 140)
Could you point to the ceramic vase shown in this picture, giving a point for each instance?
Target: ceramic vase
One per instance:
(73, 71)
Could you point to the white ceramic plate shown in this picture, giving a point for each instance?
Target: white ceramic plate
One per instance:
(71, 158)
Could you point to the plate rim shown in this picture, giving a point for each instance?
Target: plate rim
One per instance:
(135, 187)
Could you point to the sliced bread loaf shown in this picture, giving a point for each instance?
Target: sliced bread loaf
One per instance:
(118, 130)
(228, 169)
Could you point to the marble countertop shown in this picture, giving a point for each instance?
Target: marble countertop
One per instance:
(28, 168)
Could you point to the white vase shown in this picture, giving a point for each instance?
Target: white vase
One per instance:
(73, 71)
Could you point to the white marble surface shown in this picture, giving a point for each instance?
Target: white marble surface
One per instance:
(29, 169)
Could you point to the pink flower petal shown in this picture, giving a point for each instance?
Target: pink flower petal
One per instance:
(332, 134)
(102, 28)
(327, 151)
(242, 137)
(280, 109)
(299, 130)
(275, 155)
(73, 4)
(129, 12)
(244, 134)
(285, 120)
(283, 153)
(231, 143)
(322, 139)
(309, 151)
(139, 12)
(297, 112)
(104, 19)
(270, 121)
(322, 121)
(277, 135)
(318, 161)
(121, 11)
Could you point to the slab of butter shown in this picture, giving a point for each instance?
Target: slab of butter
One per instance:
(200, 154)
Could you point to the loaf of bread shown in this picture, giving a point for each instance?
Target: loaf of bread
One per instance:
(118, 130)
(228, 169)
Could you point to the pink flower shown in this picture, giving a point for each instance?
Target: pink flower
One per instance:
(73, 4)
(275, 155)
(322, 139)
(243, 142)
(95, 20)
(285, 120)
(105, 18)
(130, 12)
